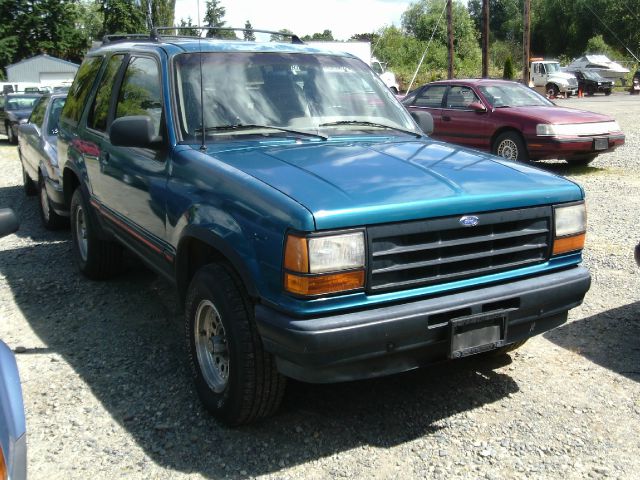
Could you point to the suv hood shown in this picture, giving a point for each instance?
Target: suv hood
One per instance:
(346, 184)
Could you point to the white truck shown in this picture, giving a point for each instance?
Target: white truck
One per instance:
(547, 76)
(362, 50)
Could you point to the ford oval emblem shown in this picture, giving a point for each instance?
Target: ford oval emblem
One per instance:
(469, 221)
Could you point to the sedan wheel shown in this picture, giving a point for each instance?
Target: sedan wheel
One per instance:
(510, 145)
(211, 346)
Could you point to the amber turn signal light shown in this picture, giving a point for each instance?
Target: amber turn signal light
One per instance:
(296, 254)
(321, 284)
(568, 244)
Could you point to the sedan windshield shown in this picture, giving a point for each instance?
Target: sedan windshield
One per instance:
(21, 103)
(249, 93)
(513, 95)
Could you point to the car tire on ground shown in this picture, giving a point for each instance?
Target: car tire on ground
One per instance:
(552, 90)
(27, 184)
(236, 379)
(582, 160)
(511, 146)
(50, 219)
(96, 258)
(11, 136)
(607, 92)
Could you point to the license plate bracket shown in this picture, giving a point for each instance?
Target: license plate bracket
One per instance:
(600, 143)
(477, 333)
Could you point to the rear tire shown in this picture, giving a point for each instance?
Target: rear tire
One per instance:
(607, 92)
(11, 136)
(236, 379)
(96, 258)
(28, 185)
(50, 219)
(510, 145)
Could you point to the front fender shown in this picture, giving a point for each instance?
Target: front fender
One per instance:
(241, 258)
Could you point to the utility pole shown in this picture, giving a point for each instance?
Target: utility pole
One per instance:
(485, 38)
(526, 41)
(450, 33)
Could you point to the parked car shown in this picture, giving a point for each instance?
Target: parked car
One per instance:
(513, 121)
(591, 82)
(38, 153)
(309, 226)
(15, 109)
(13, 436)
(635, 83)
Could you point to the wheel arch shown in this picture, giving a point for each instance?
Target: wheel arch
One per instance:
(70, 181)
(199, 246)
(506, 129)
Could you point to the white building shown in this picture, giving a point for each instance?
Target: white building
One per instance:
(42, 69)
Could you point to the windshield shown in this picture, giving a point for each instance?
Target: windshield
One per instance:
(552, 67)
(320, 94)
(21, 103)
(513, 95)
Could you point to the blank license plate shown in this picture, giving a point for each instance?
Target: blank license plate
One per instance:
(477, 333)
(601, 144)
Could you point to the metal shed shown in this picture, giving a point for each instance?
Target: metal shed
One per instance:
(43, 69)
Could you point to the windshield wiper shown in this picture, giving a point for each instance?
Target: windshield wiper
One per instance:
(250, 126)
(370, 124)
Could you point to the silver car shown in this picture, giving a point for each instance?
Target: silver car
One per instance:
(37, 149)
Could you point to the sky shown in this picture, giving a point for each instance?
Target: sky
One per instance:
(304, 17)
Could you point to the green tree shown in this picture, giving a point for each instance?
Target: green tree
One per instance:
(248, 33)
(186, 29)
(598, 45)
(162, 12)
(213, 17)
(123, 16)
(281, 38)
(507, 72)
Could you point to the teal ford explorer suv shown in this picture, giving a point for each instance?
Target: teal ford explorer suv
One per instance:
(310, 227)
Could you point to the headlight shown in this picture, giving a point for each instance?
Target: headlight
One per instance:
(316, 265)
(577, 129)
(570, 228)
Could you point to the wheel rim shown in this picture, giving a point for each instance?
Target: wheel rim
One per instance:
(211, 346)
(81, 233)
(44, 202)
(508, 149)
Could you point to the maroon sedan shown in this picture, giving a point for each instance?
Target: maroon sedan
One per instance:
(513, 121)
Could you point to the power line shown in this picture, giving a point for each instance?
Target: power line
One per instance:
(612, 32)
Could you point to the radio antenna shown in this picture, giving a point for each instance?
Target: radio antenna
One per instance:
(203, 146)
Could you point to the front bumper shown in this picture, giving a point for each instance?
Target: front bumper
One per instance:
(401, 337)
(565, 147)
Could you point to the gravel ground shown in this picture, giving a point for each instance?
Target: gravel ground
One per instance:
(108, 395)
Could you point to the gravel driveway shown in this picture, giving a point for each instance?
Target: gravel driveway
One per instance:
(108, 394)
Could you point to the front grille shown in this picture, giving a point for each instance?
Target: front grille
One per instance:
(426, 252)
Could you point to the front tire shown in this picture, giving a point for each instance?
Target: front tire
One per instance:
(27, 184)
(510, 145)
(96, 258)
(50, 219)
(236, 379)
(552, 90)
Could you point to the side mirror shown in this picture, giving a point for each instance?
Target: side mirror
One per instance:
(478, 107)
(424, 121)
(8, 222)
(28, 129)
(133, 131)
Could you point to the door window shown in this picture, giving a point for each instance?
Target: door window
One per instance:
(37, 115)
(99, 112)
(140, 92)
(460, 97)
(431, 97)
(80, 89)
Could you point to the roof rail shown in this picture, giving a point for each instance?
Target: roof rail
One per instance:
(156, 32)
(121, 37)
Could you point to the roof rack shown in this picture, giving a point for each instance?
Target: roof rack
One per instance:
(121, 37)
(156, 32)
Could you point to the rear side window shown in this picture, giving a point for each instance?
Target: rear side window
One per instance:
(140, 91)
(80, 89)
(431, 97)
(99, 112)
(54, 115)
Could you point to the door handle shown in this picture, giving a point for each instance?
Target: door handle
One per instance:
(446, 118)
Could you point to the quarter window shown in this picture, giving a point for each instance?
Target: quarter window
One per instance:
(140, 92)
